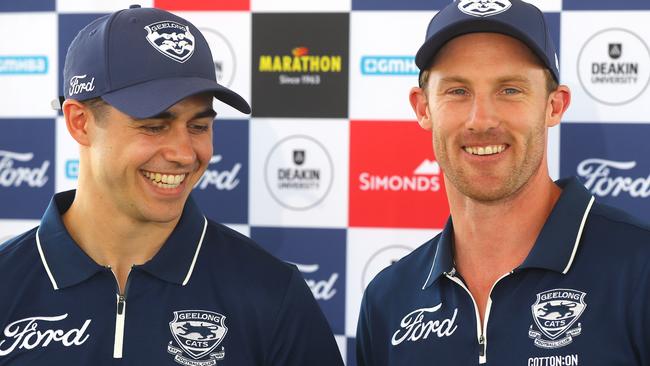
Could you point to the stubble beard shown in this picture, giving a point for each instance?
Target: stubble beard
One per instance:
(507, 186)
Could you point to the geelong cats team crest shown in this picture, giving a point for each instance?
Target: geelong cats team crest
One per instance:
(172, 39)
(555, 313)
(197, 333)
(483, 8)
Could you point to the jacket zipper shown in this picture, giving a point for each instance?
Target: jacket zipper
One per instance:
(481, 331)
(120, 315)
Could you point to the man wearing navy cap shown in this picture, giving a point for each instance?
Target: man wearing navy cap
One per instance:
(527, 271)
(126, 270)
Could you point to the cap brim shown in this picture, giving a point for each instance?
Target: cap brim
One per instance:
(153, 97)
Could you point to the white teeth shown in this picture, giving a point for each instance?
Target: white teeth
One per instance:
(164, 180)
(485, 150)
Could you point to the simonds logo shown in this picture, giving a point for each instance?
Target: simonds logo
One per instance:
(602, 181)
(17, 176)
(425, 178)
(222, 180)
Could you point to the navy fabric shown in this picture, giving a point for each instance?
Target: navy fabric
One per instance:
(514, 18)
(263, 305)
(142, 61)
(579, 298)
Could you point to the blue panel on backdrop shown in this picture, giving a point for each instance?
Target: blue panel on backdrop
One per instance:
(612, 160)
(399, 5)
(605, 4)
(69, 26)
(27, 5)
(222, 192)
(26, 167)
(320, 256)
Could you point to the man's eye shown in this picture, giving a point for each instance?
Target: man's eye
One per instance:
(153, 129)
(199, 128)
(511, 91)
(458, 92)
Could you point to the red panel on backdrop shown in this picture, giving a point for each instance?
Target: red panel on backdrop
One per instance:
(395, 180)
(203, 4)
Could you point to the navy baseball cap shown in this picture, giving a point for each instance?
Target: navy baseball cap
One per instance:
(142, 61)
(514, 18)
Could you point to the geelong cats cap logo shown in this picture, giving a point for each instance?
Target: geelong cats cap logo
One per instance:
(172, 39)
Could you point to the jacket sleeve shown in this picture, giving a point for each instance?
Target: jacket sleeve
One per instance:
(302, 335)
(363, 346)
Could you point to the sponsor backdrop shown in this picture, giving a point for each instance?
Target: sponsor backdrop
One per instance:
(330, 172)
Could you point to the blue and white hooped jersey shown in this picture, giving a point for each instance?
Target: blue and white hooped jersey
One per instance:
(210, 296)
(581, 297)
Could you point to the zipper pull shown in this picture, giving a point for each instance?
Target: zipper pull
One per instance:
(121, 300)
(481, 344)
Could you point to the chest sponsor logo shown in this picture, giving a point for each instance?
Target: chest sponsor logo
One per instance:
(414, 327)
(554, 313)
(38, 331)
(197, 333)
(483, 8)
(172, 39)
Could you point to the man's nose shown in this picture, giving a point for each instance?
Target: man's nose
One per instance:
(483, 116)
(179, 147)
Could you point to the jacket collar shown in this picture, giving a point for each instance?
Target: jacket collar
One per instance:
(556, 245)
(67, 265)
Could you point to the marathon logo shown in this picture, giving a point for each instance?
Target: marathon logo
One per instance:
(300, 61)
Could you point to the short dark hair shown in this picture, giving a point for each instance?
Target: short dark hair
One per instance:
(551, 84)
(98, 107)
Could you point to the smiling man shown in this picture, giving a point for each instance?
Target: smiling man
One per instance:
(527, 271)
(126, 270)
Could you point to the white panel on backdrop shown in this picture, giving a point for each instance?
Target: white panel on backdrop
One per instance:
(382, 62)
(299, 172)
(547, 5)
(98, 6)
(28, 64)
(342, 342)
(300, 5)
(606, 63)
(11, 228)
(67, 158)
(370, 251)
(553, 152)
(242, 229)
(229, 37)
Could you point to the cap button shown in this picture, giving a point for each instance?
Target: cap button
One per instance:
(134, 6)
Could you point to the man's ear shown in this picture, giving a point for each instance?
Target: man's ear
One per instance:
(77, 118)
(558, 103)
(420, 105)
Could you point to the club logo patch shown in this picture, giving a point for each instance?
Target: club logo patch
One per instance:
(172, 39)
(554, 313)
(483, 8)
(197, 333)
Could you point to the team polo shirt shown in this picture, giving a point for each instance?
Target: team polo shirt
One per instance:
(581, 297)
(210, 296)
